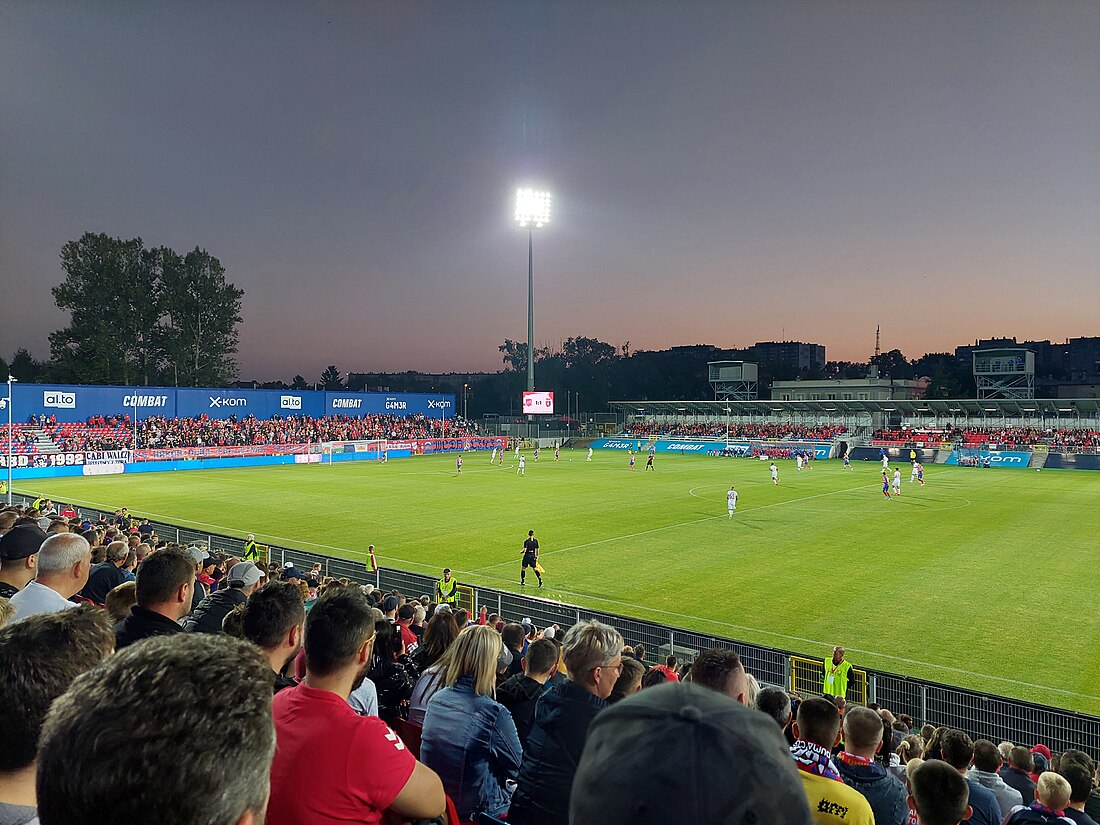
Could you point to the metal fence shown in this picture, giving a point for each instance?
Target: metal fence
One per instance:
(981, 715)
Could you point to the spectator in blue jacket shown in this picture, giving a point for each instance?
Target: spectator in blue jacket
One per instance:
(863, 733)
(592, 653)
(469, 738)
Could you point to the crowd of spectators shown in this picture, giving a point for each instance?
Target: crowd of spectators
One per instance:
(1059, 438)
(205, 688)
(116, 432)
(788, 430)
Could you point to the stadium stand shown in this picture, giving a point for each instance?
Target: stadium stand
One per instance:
(576, 745)
(718, 429)
(1062, 439)
(117, 432)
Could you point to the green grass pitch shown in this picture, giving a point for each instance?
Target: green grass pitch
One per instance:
(983, 578)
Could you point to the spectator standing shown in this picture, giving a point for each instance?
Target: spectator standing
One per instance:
(817, 732)
(1052, 795)
(108, 574)
(64, 561)
(1080, 779)
(720, 669)
(629, 681)
(392, 672)
(469, 738)
(682, 754)
(112, 731)
(244, 578)
(39, 658)
(863, 740)
(520, 693)
(938, 793)
(957, 750)
(987, 763)
(163, 589)
(669, 669)
(19, 548)
(274, 620)
(1017, 773)
(357, 766)
(592, 653)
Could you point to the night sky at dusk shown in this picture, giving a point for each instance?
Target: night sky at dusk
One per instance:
(723, 172)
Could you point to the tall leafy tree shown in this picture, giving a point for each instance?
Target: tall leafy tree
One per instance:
(201, 310)
(299, 383)
(109, 289)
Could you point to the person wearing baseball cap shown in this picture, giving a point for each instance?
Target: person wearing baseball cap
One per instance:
(244, 579)
(19, 557)
(719, 761)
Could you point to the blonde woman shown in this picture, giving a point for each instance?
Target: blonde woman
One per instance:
(469, 738)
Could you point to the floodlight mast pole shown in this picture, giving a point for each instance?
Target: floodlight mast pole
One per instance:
(530, 309)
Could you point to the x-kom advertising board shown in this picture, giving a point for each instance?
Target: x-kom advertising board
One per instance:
(538, 403)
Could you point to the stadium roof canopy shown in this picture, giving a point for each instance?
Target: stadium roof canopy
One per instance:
(923, 407)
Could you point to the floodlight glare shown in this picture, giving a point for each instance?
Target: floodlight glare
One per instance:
(532, 208)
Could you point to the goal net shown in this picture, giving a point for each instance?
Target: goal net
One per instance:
(373, 450)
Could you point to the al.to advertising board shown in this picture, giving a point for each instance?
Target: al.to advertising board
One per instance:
(78, 403)
(70, 403)
(538, 403)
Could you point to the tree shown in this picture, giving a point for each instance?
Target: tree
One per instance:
(23, 366)
(201, 311)
(949, 378)
(892, 364)
(110, 289)
(330, 378)
(515, 355)
(142, 315)
(299, 383)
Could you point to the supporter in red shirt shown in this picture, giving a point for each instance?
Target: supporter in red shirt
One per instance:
(357, 766)
(669, 669)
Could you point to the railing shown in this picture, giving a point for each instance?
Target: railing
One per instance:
(981, 715)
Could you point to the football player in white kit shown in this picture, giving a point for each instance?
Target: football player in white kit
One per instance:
(913, 475)
(589, 454)
(493, 458)
(897, 483)
(521, 471)
(775, 474)
(731, 502)
(798, 461)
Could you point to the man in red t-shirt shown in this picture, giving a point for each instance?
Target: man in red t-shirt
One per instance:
(357, 766)
(405, 615)
(669, 669)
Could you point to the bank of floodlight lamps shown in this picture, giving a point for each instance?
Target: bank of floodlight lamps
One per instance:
(532, 212)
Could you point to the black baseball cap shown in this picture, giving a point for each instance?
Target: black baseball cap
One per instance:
(21, 542)
(684, 753)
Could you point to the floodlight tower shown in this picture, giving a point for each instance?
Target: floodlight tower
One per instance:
(532, 212)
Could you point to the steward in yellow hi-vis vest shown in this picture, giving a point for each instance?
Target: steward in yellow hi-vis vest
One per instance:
(447, 588)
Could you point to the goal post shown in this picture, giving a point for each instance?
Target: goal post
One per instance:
(366, 450)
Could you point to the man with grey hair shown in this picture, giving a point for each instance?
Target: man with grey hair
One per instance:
(64, 562)
(108, 574)
(96, 753)
(775, 702)
(593, 656)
